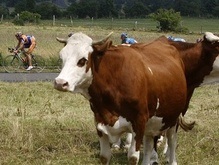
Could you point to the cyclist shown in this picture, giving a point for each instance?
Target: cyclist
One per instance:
(176, 39)
(126, 40)
(25, 41)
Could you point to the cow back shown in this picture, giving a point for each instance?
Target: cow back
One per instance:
(133, 80)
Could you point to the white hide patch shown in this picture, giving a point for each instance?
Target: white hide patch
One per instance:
(126, 44)
(158, 103)
(150, 70)
(153, 126)
(213, 77)
(78, 47)
(114, 133)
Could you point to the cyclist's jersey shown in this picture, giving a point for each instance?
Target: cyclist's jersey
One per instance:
(176, 39)
(129, 41)
(27, 40)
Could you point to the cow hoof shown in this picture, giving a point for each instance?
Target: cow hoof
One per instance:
(133, 161)
(115, 147)
(127, 146)
(103, 160)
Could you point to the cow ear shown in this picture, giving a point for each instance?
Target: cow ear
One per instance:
(102, 48)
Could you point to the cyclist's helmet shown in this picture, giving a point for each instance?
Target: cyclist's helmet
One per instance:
(18, 34)
(170, 38)
(124, 35)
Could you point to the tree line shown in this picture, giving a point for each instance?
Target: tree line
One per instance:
(109, 8)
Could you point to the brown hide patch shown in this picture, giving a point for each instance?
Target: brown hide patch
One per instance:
(129, 81)
(198, 59)
(100, 49)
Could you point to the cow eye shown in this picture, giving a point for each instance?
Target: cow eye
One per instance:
(82, 62)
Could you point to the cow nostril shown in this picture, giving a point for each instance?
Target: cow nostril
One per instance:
(61, 84)
(65, 84)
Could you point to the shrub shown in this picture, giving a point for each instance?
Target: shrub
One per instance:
(26, 16)
(169, 20)
(18, 22)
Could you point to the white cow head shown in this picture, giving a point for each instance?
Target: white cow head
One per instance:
(75, 75)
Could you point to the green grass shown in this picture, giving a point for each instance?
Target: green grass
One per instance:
(40, 125)
(46, 34)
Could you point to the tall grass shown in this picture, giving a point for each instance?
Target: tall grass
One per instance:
(46, 34)
(40, 125)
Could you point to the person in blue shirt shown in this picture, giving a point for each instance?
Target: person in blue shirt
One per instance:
(176, 39)
(126, 40)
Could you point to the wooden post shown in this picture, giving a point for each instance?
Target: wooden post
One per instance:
(2, 18)
(112, 23)
(71, 21)
(54, 20)
(136, 24)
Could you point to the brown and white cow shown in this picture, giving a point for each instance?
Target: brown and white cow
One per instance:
(139, 89)
(200, 59)
(201, 62)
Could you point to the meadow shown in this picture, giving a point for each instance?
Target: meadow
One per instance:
(49, 48)
(40, 125)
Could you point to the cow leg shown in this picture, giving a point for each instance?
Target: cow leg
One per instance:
(105, 152)
(148, 147)
(133, 155)
(166, 150)
(128, 140)
(154, 156)
(171, 149)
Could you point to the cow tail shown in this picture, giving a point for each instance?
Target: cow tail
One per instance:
(184, 125)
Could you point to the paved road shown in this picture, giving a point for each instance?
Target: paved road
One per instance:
(19, 77)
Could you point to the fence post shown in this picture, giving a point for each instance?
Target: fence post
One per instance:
(2, 18)
(54, 20)
(71, 21)
(136, 24)
(112, 23)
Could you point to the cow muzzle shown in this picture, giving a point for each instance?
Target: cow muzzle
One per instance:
(61, 84)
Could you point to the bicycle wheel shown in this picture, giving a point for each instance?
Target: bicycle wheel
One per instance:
(59, 64)
(38, 63)
(12, 64)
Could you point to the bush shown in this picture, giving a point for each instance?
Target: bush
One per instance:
(26, 16)
(169, 20)
(18, 22)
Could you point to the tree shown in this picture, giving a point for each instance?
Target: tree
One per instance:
(169, 20)
(83, 9)
(25, 5)
(47, 10)
(4, 11)
(106, 8)
(138, 9)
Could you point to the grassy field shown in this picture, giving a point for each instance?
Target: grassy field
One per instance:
(48, 47)
(40, 125)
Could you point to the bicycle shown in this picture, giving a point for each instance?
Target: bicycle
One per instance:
(17, 62)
